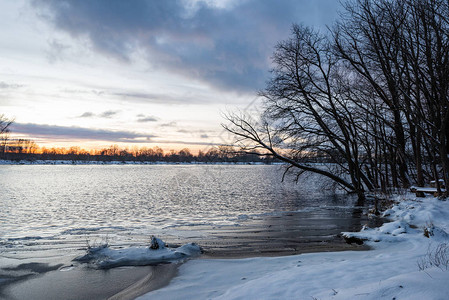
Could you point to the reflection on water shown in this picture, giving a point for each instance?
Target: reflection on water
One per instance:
(217, 206)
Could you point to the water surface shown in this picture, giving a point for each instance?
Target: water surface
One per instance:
(49, 213)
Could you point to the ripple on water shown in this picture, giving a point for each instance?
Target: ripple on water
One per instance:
(65, 205)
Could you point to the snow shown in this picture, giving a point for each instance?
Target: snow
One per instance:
(104, 257)
(439, 180)
(398, 266)
(425, 189)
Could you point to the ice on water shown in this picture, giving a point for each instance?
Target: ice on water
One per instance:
(105, 257)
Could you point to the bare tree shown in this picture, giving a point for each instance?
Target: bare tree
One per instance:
(367, 38)
(5, 123)
(252, 137)
(372, 97)
(426, 48)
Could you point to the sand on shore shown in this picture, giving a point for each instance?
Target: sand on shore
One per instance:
(81, 282)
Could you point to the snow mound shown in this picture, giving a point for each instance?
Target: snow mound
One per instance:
(104, 257)
(388, 232)
(409, 217)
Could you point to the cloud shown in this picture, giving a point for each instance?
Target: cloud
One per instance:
(201, 133)
(144, 119)
(106, 114)
(87, 114)
(4, 85)
(65, 133)
(148, 97)
(140, 96)
(109, 114)
(78, 133)
(185, 143)
(227, 46)
(137, 96)
(56, 50)
(170, 124)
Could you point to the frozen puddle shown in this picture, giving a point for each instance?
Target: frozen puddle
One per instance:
(104, 257)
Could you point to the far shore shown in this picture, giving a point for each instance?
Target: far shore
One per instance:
(123, 162)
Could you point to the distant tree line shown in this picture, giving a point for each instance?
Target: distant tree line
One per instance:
(24, 149)
(371, 95)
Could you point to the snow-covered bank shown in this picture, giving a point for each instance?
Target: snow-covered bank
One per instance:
(403, 265)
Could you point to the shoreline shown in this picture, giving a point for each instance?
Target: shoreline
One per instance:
(132, 282)
(400, 265)
(75, 281)
(267, 237)
(163, 276)
(157, 279)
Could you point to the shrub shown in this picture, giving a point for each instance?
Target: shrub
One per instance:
(438, 257)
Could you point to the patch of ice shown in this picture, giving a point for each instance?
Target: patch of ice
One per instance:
(242, 217)
(105, 257)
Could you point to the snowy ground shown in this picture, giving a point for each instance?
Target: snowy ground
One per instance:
(398, 267)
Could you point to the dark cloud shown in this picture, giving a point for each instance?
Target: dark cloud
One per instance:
(227, 47)
(154, 98)
(160, 98)
(136, 96)
(144, 119)
(64, 133)
(106, 114)
(87, 114)
(73, 133)
(109, 114)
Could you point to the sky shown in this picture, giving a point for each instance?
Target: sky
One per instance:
(139, 73)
